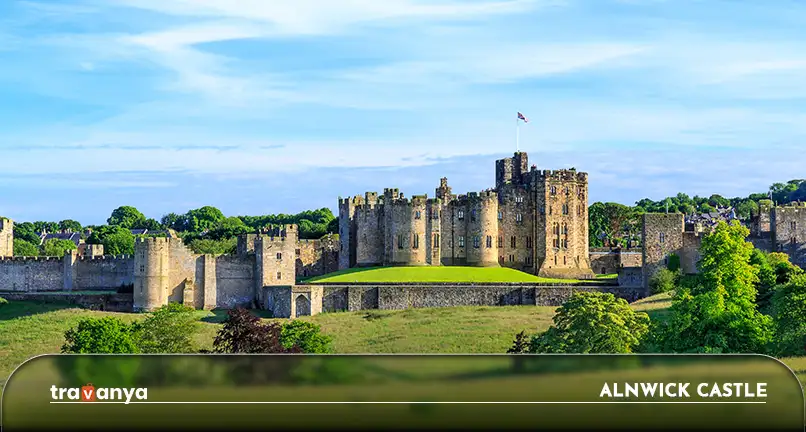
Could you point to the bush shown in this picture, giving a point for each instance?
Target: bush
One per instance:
(789, 304)
(168, 330)
(25, 248)
(674, 263)
(307, 336)
(591, 322)
(100, 336)
(663, 281)
(243, 332)
(3, 302)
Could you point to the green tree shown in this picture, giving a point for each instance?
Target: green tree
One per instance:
(213, 247)
(57, 247)
(592, 322)
(746, 209)
(25, 248)
(116, 239)
(307, 336)
(719, 314)
(127, 217)
(70, 225)
(169, 329)
(28, 232)
(100, 336)
(173, 221)
(228, 228)
(789, 304)
(204, 218)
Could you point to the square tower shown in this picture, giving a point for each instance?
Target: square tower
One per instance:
(662, 234)
(6, 237)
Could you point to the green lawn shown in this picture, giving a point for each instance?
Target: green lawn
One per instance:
(435, 274)
(28, 329)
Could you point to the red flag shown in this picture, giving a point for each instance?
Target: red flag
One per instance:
(522, 117)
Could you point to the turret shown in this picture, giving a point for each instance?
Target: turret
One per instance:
(151, 264)
(6, 237)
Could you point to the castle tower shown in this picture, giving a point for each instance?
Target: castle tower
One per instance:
(419, 235)
(151, 263)
(6, 237)
(662, 234)
(482, 229)
(275, 259)
(511, 170)
(348, 231)
(788, 229)
(433, 231)
(369, 232)
(562, 197)
(443, 192)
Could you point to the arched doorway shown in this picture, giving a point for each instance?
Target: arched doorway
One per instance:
(303, 305)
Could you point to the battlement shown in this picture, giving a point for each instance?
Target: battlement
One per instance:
(563, 175)
(487, 195)
(104, 257)
(156, 240)
(280, 231)
(355, 200)
(792, 206)
(419, 199)
(31, 259)
(6, 223)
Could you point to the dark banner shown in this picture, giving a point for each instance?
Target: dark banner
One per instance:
(495, 392)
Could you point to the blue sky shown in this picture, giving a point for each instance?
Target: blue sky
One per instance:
(260, 107)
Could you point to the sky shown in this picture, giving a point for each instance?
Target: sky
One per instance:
(261, 107)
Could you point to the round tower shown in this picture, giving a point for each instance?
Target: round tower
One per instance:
(482, 229)
(150, 273)
(418, 217)
(369, 232)
(398, 217)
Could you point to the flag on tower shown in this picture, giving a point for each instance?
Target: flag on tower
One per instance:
(522, 117)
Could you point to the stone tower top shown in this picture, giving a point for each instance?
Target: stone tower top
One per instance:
(511, 170)
(443, 191)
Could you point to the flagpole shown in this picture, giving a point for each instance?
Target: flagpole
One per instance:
(517, 134)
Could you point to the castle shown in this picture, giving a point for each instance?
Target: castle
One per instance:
(534, 221)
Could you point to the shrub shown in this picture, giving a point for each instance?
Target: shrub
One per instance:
(100, 336)
(591, 322)
(674, 263)
(307, 336)
(243, 332)
(3, 302)
(169, 329)
(664, 280)
(789, 304)
(25, 248)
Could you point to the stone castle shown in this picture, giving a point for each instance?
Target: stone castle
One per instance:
(535, 221)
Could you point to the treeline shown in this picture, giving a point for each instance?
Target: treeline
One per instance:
(618, 224)
(204, 230)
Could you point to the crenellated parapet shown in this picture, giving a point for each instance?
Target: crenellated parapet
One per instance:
(32, 259)
(563, 175)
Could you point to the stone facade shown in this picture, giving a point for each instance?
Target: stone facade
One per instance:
(6, 238)
(662, 235)
(610, 261)
(535, 221)
(788, 231)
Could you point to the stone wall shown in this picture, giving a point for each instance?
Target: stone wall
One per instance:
(354, 297)
(789, 231)
(235, 281)
(104, 272)
(317, 257)
(112, 302)
(662, 235)
(32, 274)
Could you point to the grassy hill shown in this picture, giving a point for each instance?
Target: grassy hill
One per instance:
(435, 274)
(28, 329)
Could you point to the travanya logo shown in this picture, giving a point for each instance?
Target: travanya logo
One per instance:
(89, 393)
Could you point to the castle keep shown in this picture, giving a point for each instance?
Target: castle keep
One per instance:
(534, 221)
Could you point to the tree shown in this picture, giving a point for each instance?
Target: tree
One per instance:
(57, 247)
(127, 217)
(173, 221)
(213, 247)
(719, 314)
(243, 332)
(664, 280)
(204, 218)
(28, 232)
(746, 209)
(24, 248)
(100, 336)
(228, 228)
(789, 304)
(167, 330)
(70, 225)
(307, 336)
(116, 239)
(592, 322)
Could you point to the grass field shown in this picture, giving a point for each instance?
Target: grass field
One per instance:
(438, 274)
(28, 329)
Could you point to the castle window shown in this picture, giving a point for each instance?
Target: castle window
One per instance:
(501, 259)
(518, 218)
(794, 240)
(794, 225)
(512, 258)
(489, 241)
(472, 215)
(461, 241)
(400, 241)
(662, 237)
(500, 215)
(417, 214)
(565, 190)
(565, 209)
(500, 241)
(476, 242)
(579, 211)
(435, 214)
(513, 241)
(142, 269)
(528, 242)
(553, 190)
(461, 214)
(565, 261)
(416, 241)
(550, 211)
(279, 255)
(519, 199)
(542, 209)
(555, 259)
(279, 275)
(529, 261)
(297, 252)
(436, 241)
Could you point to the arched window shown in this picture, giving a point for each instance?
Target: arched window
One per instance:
(489, 241)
